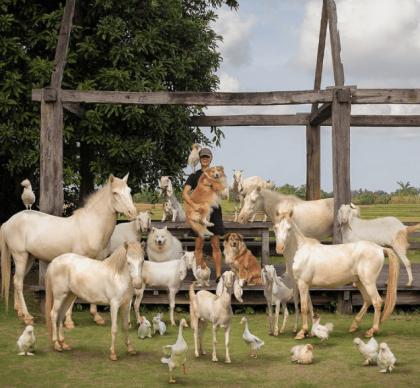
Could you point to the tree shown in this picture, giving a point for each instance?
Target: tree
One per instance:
(132, 45)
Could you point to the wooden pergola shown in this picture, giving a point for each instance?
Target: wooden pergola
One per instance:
(330, 107)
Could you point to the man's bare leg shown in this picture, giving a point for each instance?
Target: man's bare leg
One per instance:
(198, 251)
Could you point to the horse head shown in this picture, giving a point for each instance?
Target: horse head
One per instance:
(121, 201)
(252, 202)
(135, 260)
(282, 227)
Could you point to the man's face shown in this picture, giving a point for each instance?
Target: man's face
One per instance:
(205, 161)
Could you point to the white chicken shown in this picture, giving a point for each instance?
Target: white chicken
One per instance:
(386, 359)
(176, 354)
(368, 350)
(302, 354)
(145, 328)
(194, 157)
(202, 275)
(321, 331)
(250, 339)
(159, 325)
(26, 341)
(28, 196)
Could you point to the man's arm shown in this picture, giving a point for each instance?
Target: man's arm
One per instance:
(187, 198)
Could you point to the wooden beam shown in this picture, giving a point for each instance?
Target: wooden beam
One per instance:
(321, 114)
(193, 98)
(335, 44)
(321, 46)
(385, 96)
(249, 120)
(341, 108)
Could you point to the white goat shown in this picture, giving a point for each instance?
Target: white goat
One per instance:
(242, 186)
(167, 192)
(384, 231)
(276, 293)
(194, 156)
(201, 274)
(129, 231)
(28, 196)
(168, 210)
(167, 274)
(216, 309)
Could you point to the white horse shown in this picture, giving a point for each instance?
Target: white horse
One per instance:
(331, 266)
(314, 218)
(31, 234)
(108, 282)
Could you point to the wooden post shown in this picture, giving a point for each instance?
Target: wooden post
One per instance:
(265, 247)
(313, 132)
(51, 198)
(341, 109)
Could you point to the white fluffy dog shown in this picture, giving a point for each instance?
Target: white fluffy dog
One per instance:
(163, 246)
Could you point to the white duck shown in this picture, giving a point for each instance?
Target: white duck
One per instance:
(28, 196)
(321, 331)
(250, 339)
(302, 354)
(159, 325)
(26, 341)
(369, 350)
(386, 359)
(176, 354)
(194, 156)
(145, 328)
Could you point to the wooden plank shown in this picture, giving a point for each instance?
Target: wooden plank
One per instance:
(265, 247)
(321, 114)
(195, 98)
(321, 46)
(341, 109)
(313, 162)
(385, 96)
(335, 43)
(249, 120)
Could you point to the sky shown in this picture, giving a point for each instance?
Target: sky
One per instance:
(271, 45)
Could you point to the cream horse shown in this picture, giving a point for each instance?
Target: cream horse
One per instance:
(31, 234)
(108, 282)
(331, 266)
(314, 218)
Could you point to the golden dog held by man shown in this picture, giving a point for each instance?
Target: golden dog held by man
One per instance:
(210, 186)
(241, 259)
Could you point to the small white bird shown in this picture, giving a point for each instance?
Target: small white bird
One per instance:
(176, 354)
(194, 157)
(386, 359)
(159, 325)
(28, 196)
(26, 341)
(250, 339)
(369, 350)
(145, 328)
(321, 331)
(302, 354)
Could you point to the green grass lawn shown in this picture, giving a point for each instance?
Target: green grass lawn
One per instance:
(337, 362)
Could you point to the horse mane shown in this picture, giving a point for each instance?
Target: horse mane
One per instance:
(272, 198)
(117, 260)
(93, 199)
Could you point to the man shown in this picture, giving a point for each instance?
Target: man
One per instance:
(216, 216)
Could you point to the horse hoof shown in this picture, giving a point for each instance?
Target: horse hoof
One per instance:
(99, 320)
(69, 325)
(214, 359)
(300, 335)
(409, 284)
(65, 346)
(28, 320)
(228, 361)
(57, 347)
(113, 357)
(131, 352)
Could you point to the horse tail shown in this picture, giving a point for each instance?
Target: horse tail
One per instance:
(391, 291)
(48, 303)
(5, 268)
(412, 228)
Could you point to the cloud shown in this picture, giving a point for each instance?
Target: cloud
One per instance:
(380, 41)
(228, 83)
(236, 31)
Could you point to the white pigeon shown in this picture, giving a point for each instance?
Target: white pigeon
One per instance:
(321, 331)
(159, 325)
(302, 354)
(145, 328)
(250, 339)
(369, 350)
(386, 359)
(26, 341)
(194, 156)
(176, 354)
(28, 196)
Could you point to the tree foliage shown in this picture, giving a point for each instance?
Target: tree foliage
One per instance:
(131, 45)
